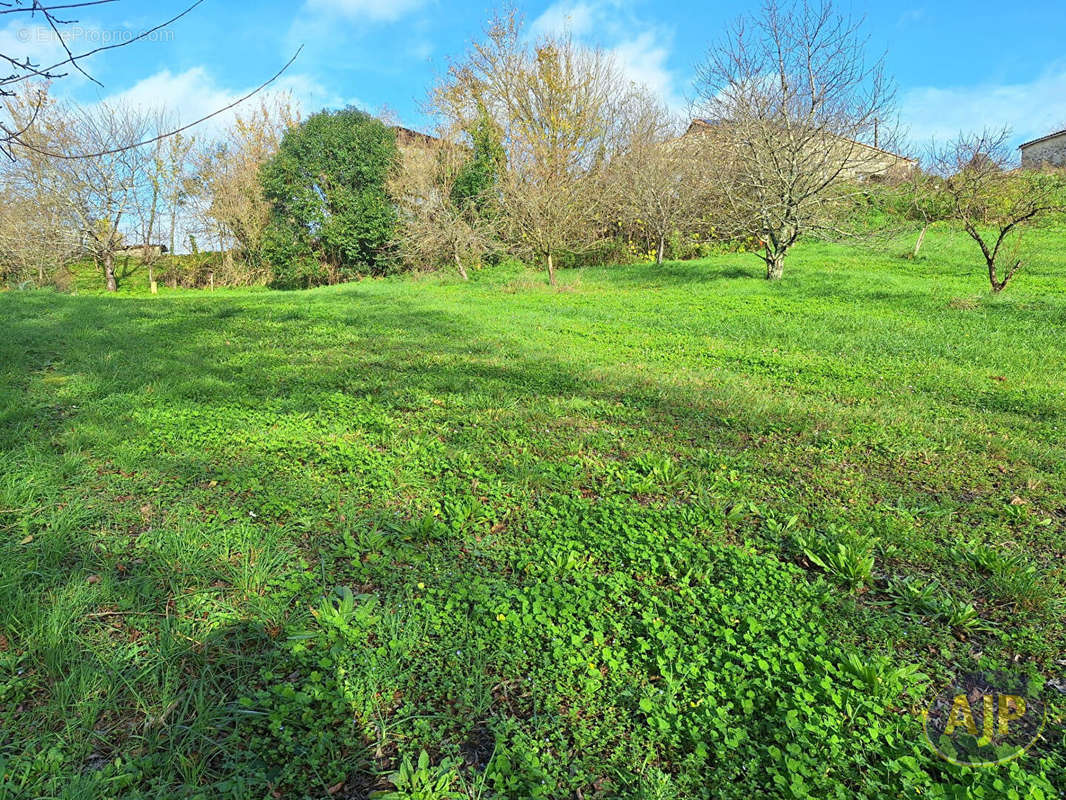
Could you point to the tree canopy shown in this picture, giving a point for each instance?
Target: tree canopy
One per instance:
(330, 213)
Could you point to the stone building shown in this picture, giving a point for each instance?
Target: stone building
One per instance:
(405, 137)
(413, 144)
(862, 162)
(143, 252)
(1048, 150)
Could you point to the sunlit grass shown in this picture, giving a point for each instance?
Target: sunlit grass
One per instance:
(183, 477)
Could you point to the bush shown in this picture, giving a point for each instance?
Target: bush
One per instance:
(331, 217)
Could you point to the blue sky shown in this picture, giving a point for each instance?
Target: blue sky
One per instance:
(959, 65)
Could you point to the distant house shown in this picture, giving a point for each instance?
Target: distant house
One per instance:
(414, 146)
(1048, 151)
(405, 137)
(144, 251)
(869, 162)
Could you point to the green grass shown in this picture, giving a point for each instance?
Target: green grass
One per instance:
(665, 532)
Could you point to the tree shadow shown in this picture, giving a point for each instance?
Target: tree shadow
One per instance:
(252, 454)
(681, 273)
(190, 421)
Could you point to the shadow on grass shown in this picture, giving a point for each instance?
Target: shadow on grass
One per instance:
(246, 455)
(199, 443)
(682, 273)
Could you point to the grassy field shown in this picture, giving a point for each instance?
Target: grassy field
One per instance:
(666, 532)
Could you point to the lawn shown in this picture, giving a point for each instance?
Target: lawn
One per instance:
(619, 539)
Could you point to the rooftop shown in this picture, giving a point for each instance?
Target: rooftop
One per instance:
(1041, 139)
(699, 123)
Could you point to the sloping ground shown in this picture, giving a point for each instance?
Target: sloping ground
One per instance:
(607, 541)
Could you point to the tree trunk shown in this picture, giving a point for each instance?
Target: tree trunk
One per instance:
(921, 240)
(153, 213)
(459, 265)
(173, 227)
(993, 279)
(662, 249)
(551, 270)
(775, 266)
(109, 272)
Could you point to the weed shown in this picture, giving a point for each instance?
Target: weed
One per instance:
(422, 781)
(848, 560)
(564, 527)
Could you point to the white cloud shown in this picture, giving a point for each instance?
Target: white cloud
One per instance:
(1030, 109)
(576, 18)
(188, 95)
(371, 10)
(40, 45)
(644, 60)
(641, 49)
(194, 94)
(911, 17)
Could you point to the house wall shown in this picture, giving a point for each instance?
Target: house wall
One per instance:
(1051, 151)
(872, 163)
(862, 162)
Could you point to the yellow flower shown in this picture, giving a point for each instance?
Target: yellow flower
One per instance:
(501, 617)
(421, 586)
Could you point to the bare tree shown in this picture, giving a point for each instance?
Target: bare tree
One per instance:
(96, 196)
(436, 227)
(162, 190)
(225, 186)
(150, 200)
(37, 236)
(922, 201)
(35, 241)
(994, 203)
(795, 112)
(555, 104)
(656, 184)
(102, 191)
(177, 161)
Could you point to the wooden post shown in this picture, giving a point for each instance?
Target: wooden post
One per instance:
(212, 280)
(155, 288)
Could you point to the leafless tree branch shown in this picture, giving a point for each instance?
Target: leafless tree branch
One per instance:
(13, 139)
(795, 111)
(182, 129)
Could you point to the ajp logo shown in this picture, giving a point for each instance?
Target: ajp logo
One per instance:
(984, 719)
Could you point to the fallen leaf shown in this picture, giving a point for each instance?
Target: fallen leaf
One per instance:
(27, 540)
(93, 579)
(335, 788)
